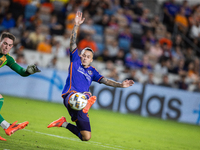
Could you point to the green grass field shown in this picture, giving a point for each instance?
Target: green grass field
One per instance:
(110, 130)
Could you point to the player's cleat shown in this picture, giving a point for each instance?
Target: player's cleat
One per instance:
(57, 123)
(2, 139)
(14, 127)
(90, 102)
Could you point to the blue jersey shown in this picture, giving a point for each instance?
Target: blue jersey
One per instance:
(79, 78)
(172, 8)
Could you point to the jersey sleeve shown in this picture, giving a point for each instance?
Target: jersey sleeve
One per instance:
(74, 55)
(97, 76)
(15, 67)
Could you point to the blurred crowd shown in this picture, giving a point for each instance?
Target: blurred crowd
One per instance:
(125, 35)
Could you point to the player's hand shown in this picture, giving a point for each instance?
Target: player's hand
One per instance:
(127, 83)
(78, 19)
(32, 69)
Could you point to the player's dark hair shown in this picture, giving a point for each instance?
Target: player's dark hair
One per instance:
(7, 35)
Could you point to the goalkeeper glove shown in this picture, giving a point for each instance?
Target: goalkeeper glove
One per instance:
(31, 69)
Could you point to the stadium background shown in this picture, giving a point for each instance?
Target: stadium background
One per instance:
(131, 39)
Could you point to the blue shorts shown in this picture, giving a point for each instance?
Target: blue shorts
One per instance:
(81, 119)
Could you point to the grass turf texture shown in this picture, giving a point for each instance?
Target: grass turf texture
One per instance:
(110, 130)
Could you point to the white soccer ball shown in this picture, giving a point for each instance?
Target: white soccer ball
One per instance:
(78, 101)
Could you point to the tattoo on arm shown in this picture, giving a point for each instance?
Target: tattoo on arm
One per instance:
(73, 38)
(110, 82)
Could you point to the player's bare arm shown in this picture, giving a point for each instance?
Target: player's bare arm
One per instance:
(78, 21)
(73, 38)
(124, 84)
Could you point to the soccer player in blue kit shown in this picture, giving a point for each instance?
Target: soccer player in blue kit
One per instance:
(80, 77)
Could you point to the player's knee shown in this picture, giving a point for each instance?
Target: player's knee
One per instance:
(1, 96)
(86, 137)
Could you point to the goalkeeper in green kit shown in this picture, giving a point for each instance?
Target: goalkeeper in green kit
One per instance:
(6, 43)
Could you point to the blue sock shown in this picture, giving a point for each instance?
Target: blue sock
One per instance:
(74, 129)
(87, 94)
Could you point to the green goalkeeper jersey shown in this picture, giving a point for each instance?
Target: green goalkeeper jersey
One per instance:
(10, 62)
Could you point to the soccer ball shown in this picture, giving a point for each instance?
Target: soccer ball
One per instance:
(78, 101)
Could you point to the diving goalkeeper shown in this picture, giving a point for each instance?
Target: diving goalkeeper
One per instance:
(6, 43)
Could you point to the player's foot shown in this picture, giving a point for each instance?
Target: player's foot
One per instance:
(90, 102)
(57, 123)
(14, 127)
(2, 139)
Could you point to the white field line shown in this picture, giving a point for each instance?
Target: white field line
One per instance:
(78, 140)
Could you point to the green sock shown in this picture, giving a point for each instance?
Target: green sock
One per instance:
(1, 104)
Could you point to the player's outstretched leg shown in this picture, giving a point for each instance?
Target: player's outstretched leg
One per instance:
(90, 102)
(2, 139)
(61, 122)
(57, 123)
(14, 127)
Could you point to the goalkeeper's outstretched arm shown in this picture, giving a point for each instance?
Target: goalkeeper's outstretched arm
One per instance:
(31, 69)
